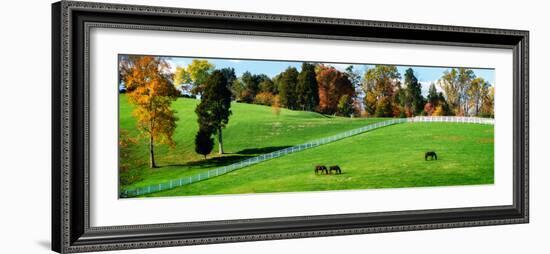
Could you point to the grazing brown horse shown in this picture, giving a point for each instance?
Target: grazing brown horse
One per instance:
(321, 168)
(336, 168)
(430, 154)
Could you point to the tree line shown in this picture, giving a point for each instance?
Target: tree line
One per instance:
(380, 91)
(315, 87)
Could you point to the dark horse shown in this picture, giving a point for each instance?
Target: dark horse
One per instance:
(321, 168)
(430, 154)
(336, 169)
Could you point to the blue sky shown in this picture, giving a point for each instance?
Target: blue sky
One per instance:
(426, 75)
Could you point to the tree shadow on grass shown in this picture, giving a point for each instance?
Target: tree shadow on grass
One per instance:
(228, 158)
(213, 162)
(261, 150)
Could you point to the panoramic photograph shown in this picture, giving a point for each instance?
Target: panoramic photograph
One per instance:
(216, 126)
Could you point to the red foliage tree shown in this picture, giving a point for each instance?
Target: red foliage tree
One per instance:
(333, 84)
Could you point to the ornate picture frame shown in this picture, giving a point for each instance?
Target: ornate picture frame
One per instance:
(71, 24)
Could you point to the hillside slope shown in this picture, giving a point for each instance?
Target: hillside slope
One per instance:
(389, 157)
(252, 130)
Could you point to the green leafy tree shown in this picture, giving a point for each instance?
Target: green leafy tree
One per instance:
(204, 143)
(346, 106)
(193, 77)
(214, 109)
(238, 91)
(307, 93)
(251, 84)
(267, 86)
(287, 87)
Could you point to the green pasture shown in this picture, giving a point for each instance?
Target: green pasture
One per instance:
(252, 130)
(390, 157)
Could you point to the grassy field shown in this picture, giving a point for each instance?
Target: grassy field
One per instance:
(252, 130)
(389, 157)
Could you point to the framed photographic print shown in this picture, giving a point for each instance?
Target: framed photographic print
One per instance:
(181, 126)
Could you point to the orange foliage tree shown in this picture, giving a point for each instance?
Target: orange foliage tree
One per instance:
(148, 84)
(333, 84)
(381, 86)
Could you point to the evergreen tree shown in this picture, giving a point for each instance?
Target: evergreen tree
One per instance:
(414, 100)
(214, 109)
(433, 96)
(229, 74)
(307, 93)
(287, 86)
(204, 143)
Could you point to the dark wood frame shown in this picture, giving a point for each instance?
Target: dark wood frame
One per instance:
(71, 22)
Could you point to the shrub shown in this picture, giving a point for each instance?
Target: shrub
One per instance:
(264, 98)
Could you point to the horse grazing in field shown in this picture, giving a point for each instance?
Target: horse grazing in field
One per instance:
(335, 168)
(321, 168)
(430, 154)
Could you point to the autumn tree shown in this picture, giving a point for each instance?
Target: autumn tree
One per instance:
(148, 84)
(287, 87)
(455, 84)
(477, 92)
(276, 105)
(193, 77)
(488, 102)
(307, 93)
(204, 143)
(264, 98)
(214, 109)
(380, 86)
(333, 84)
